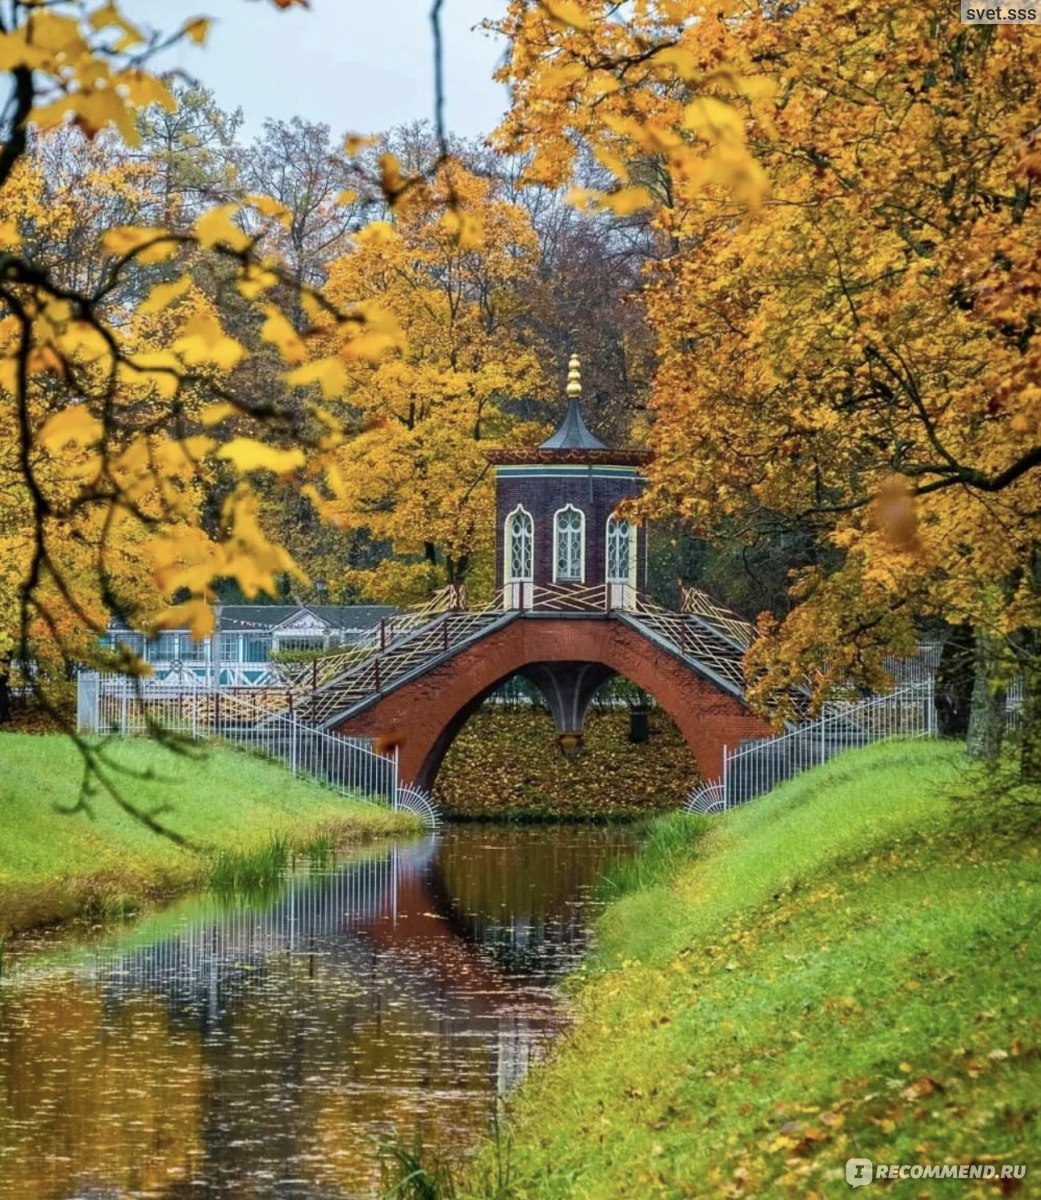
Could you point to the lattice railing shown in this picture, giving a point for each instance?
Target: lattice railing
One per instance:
(437, 637)
(325, 668)
(693, 639)
(700, 604)
(562, 597)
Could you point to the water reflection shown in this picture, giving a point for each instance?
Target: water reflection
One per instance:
(262, 1051)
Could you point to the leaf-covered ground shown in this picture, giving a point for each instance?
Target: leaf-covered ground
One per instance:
(848, 967)
(506, 764)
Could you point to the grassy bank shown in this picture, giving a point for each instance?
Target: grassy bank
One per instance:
(55, 865)
(505, 765)
(848, 967)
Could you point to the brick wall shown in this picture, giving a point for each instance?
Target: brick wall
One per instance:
(542, 497)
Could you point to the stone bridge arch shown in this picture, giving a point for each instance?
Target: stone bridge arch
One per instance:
(424, 715)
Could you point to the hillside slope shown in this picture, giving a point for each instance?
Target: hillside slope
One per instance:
(847, 967)
(55, 863)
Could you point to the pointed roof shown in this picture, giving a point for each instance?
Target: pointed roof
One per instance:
(572, 433)
(572, 442)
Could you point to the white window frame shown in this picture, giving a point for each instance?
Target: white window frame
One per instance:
(621, 593)
(507, 541)
(630, 576)
(581, 578)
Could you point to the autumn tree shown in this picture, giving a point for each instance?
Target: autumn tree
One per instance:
(416, 476)
(848, 323)
(586, 295)
(120, 384)
(296, 163)
(190, 149)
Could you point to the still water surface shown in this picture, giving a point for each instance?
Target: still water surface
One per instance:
(263, 1050)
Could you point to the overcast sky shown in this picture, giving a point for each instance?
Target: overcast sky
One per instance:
(360, 66)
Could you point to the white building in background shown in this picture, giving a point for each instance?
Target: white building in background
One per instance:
(249, 635)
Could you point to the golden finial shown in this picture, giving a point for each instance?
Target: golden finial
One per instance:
(574, 377)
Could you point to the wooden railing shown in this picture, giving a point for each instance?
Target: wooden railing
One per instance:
(694, 639)
(564, 597)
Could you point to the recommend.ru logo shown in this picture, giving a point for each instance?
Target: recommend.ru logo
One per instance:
(859, 1171)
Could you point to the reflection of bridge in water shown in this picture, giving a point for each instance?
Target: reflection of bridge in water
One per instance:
(311, 909)
(385, 927)
(230, 1050)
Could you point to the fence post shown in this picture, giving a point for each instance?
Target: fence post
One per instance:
(396, 781)
(123, 707)
(383, 633)
(726, 772)
(88, 702)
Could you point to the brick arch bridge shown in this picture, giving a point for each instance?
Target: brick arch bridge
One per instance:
(420, 689)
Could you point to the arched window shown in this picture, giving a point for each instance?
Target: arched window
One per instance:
(520, 531)
(621, 551)
(569, 545)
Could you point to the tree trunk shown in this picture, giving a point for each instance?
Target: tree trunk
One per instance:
(954, 682)
(1030, 670)
(987, 707)
(1030, 729)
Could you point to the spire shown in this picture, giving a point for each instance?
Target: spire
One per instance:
(574, 377)
(572, 433)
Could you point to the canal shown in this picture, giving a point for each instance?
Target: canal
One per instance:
(265, 1049)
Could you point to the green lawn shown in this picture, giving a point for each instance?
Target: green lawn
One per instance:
(55, 864)
(847, 967)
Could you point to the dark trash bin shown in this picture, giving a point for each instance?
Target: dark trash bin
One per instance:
(639, 731)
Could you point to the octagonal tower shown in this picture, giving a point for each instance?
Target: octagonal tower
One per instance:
(558, 533)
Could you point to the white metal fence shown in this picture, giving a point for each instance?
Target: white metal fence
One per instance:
(759, 764)
(255, 720)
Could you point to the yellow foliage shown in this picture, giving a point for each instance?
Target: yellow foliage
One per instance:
(75, 426)
(622, 203)
(217, 227)
(197, 30)
(429, 392)
(621, 84)
(278, 330)
(858, 353)
(163, 295)
(566, 13)
(249, 455)
(148, 245)
(204, 342)
(329, 374)
(110, 369)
